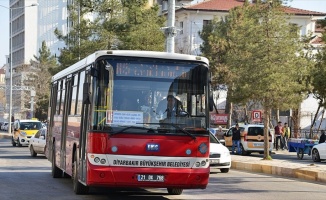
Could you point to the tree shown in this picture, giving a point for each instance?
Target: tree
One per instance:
(85, 34)
(318, 77)
(215, 46)
(102, 24)
(139, 26)
(40, 80)
(265, 57)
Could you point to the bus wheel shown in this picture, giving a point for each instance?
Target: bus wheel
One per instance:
(175, 191)
(78, 187)
(13, 142)
(56, 171)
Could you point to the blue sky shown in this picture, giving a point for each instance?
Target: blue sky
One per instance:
(313, 5)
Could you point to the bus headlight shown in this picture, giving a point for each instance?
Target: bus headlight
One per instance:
(98, 159)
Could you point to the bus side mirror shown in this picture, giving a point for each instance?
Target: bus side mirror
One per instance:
(86, 97)
(210, 99)
(211, 103)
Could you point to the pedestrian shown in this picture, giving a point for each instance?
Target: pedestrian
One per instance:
(219, 133)
(278, 135)
(322, 137)
(287, 135)
(236, 139)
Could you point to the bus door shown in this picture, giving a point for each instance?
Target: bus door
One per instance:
(81, 154)
(66, 109)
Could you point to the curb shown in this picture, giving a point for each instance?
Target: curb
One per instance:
(305, 173)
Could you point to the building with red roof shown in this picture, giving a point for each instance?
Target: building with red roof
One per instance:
(191, 18)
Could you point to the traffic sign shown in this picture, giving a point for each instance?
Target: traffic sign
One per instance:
(256, 116)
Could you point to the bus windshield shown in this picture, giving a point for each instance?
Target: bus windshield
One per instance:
(158, 95)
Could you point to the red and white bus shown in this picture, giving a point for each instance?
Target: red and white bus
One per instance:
(106, 127)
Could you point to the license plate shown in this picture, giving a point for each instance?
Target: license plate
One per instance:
(150, 177)
(214, 161)
(258, 145)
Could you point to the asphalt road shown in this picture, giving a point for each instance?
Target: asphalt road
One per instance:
(28, 178)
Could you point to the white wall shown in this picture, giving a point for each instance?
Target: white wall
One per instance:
(308, 110)
(30, 43)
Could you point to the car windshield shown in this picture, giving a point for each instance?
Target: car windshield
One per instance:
(30, 125)
(213, 139)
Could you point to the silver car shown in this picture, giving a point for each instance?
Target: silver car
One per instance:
(37, 143)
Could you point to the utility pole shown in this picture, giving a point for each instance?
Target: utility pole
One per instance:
(170, 31)
(32, 103)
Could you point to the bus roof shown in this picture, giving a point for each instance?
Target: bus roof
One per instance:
(128, 53)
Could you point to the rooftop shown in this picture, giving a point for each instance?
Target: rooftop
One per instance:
(226, 5)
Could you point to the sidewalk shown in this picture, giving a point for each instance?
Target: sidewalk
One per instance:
(5, 135)
(284, 163)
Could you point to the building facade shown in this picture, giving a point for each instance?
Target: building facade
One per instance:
(190, 19)
(29, 26)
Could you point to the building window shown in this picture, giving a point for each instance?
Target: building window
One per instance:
(181, 28)
(206, 22)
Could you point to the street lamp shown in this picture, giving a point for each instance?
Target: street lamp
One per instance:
(10, 98)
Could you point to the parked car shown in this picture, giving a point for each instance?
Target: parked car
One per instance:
(252, 138)
(37, 143)
(219, 155)
(4, 126)
(24, 130)
(318, 152)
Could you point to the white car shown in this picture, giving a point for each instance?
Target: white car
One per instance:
(4, 126)
(37, 143)
(318, 152)
(219, 155)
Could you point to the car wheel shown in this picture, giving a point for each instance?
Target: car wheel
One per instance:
(225, 170)
(315, 155)
(78, 187)
(13, 142)
(19, 144)
(175, 191)
(243, 152)
(33, 153)
(300, 153)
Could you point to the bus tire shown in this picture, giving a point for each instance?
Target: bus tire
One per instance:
(79, 188)
(56, 171)
(175, 191)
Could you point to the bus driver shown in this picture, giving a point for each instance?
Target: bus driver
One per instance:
(170, 106)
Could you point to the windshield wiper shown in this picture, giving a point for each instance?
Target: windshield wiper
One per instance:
(149, 130)
(180, 129)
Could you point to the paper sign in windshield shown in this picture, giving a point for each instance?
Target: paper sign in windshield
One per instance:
(125, 117)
